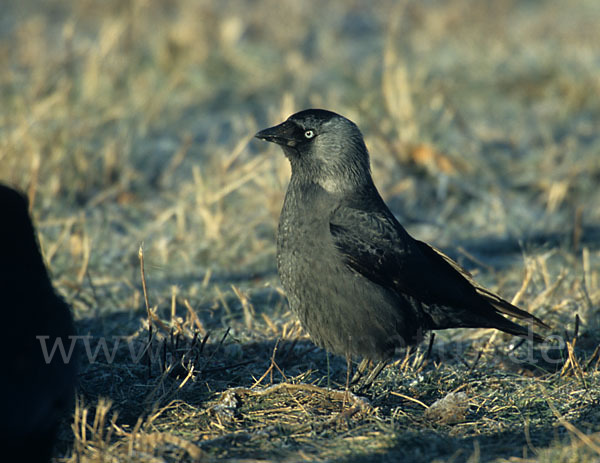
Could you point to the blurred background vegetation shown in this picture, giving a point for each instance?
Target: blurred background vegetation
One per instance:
(131, 121)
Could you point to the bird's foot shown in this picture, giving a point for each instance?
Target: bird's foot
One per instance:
(366, 383)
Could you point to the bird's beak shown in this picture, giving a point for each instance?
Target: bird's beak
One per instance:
(282, 134)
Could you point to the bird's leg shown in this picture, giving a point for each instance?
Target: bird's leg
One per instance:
(348, 375)
(373, 375)
(362, 366)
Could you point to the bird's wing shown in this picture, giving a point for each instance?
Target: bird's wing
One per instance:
(374, 244)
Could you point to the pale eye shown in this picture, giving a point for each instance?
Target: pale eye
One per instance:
(309, 134)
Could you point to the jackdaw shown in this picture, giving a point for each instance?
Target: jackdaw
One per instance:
(35, 390)
(360, 284)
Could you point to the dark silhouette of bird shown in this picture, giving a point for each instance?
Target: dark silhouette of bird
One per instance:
(360, 284)
(35, 390)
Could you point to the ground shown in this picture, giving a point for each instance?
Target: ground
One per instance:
(129, 125)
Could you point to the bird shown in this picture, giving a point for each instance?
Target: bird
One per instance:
(360, 284)
(37, 388)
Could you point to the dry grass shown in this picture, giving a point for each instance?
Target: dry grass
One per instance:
(129, 122)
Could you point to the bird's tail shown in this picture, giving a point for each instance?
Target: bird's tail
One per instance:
(507, 308)
(491, 318)
(503, 307)
(504, 324)
(495, 307)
